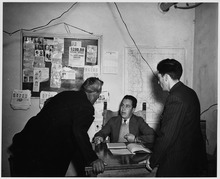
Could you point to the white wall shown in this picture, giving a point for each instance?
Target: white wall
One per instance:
(147, 25)
(206, 68)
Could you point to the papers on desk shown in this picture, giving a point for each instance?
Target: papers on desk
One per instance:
(120, 151)
(116, 145)
(123, 149)
(118, 148)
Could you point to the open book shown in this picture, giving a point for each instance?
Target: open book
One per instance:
(123, 149)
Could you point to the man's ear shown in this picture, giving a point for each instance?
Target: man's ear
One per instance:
(166, 76)
(133, 110)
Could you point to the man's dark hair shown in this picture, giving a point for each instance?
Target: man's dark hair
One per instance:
(171, 67)
(132, 98)
(91, 84)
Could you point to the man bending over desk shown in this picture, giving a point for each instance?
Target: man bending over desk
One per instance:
(126, 127)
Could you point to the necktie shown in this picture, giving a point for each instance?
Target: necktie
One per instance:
(123, 131)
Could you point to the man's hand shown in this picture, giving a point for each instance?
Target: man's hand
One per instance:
(148, 164)
(130, 137)
(98, 166)
(98, 140)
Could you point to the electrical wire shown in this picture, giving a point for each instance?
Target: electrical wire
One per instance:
(206, 111)
(65, 26)
(48, 27)
(134, 40)
(208, 108)
(79, 28)
(187, 7)
(43, 26)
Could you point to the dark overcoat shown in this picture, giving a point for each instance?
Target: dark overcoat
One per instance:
(179, 149)
(54, 137)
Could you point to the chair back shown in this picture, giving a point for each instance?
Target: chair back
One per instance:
(108, 114)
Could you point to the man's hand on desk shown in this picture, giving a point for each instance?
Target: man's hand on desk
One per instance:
(130, 137)
(98, 166)
(98, 140)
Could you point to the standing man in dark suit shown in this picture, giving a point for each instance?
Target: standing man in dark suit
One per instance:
(179, 149)
(126, 127)
(58, 135)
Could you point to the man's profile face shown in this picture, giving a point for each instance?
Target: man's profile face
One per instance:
(126, 108)
(95, 94)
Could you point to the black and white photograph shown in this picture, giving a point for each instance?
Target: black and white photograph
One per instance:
(110, 89)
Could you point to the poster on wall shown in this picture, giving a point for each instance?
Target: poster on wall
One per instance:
(52, 62)
(76, 56)
(21, 99)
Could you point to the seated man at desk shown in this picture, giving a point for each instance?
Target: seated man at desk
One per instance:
(126, 127)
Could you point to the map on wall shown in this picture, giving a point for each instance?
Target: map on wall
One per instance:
(141, 81)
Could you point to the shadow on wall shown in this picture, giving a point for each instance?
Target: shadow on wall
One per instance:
(157, 93)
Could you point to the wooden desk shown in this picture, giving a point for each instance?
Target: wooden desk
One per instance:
(120, 165)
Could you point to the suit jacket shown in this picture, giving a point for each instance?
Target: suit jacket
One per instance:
(179, 148)
(137, 127)
(55, 136)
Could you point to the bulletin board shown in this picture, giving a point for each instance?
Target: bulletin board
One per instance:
(52, 62)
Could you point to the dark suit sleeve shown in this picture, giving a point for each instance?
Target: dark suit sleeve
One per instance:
(105, 131)
(81, 124)
(172, 119)
(147, 134)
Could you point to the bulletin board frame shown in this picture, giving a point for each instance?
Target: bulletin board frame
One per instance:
(58, 62)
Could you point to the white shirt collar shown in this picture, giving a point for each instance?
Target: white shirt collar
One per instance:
(127, 120)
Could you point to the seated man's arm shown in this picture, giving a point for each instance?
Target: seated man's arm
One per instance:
(103, 133)
(147, 134)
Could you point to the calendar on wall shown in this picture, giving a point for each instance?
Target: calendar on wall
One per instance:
(58, 62)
